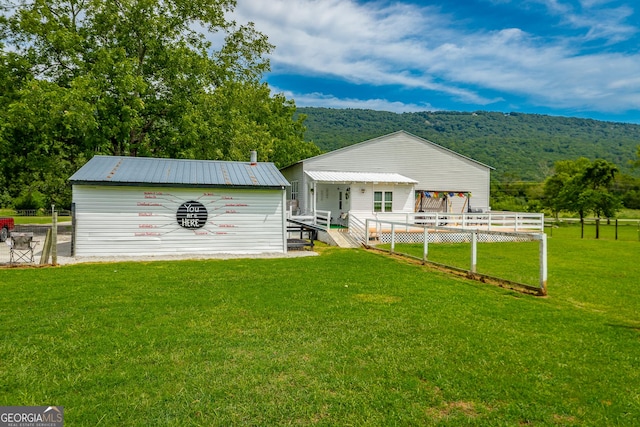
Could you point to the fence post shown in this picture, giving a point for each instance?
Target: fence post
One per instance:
(474, 251)
(46, 248)
(425, 248)
(54, 236)
(366, 232)
(543, 264)
(393, 237)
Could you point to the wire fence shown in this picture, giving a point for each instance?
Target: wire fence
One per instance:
(592, 228)
(42, 212)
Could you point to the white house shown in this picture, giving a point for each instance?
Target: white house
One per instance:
(397, 173)
(147, 206)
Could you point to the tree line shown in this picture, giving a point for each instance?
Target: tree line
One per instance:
(158, 78)
(176, 78)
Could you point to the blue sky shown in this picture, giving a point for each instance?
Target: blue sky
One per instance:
(578, 58)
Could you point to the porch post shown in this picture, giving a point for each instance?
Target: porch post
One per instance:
(314, 190)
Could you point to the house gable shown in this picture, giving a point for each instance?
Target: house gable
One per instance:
(433, 167)
(398, 152)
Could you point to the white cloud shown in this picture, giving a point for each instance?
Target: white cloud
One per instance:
(592, 3)
(554, 6)
(596, 18)
(379, 43)
(317, 99)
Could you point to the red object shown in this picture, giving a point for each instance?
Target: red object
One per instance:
(6, 225)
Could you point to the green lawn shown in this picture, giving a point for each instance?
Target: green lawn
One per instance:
(516, 262)
(39, 219)
(626, 230)
(345, 338)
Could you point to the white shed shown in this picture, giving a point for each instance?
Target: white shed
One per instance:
(147, 206)
(398, 172)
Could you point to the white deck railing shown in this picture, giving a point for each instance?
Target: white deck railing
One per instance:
(498, 221)
(320, 218)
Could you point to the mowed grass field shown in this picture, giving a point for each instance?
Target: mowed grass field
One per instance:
(349, 337)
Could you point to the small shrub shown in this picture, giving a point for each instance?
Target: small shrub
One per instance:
(6, 201)
(30, 200)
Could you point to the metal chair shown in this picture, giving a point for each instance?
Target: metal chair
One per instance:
(21, 247)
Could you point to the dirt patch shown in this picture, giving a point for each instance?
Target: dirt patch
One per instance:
(453, 408)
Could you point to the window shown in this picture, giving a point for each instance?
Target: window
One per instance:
(294, 190)
(388, 201)
(382, 201)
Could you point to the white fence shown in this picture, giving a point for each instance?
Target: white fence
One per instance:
(492, 221)
(389, 232)
(414, 222)
(320, 218)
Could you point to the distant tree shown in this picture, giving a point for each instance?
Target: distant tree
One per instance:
(628, 188)
(557, 194)
(510, 193)
(133, 77)
(526, 145)
(636, 163)
(583, 187)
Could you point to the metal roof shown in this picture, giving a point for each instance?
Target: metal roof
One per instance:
(119, 170)
(346, 177)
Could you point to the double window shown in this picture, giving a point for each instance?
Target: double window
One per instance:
(382, 201)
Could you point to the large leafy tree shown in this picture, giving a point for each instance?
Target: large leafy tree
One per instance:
(133, 77)
(557, 195)
(582, 186)
(629, 187)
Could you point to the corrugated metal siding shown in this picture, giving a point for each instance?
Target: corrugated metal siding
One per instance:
(117, 220)
(434, 167)
(151, 171)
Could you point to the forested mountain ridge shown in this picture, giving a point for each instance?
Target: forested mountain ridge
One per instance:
(516, 145)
